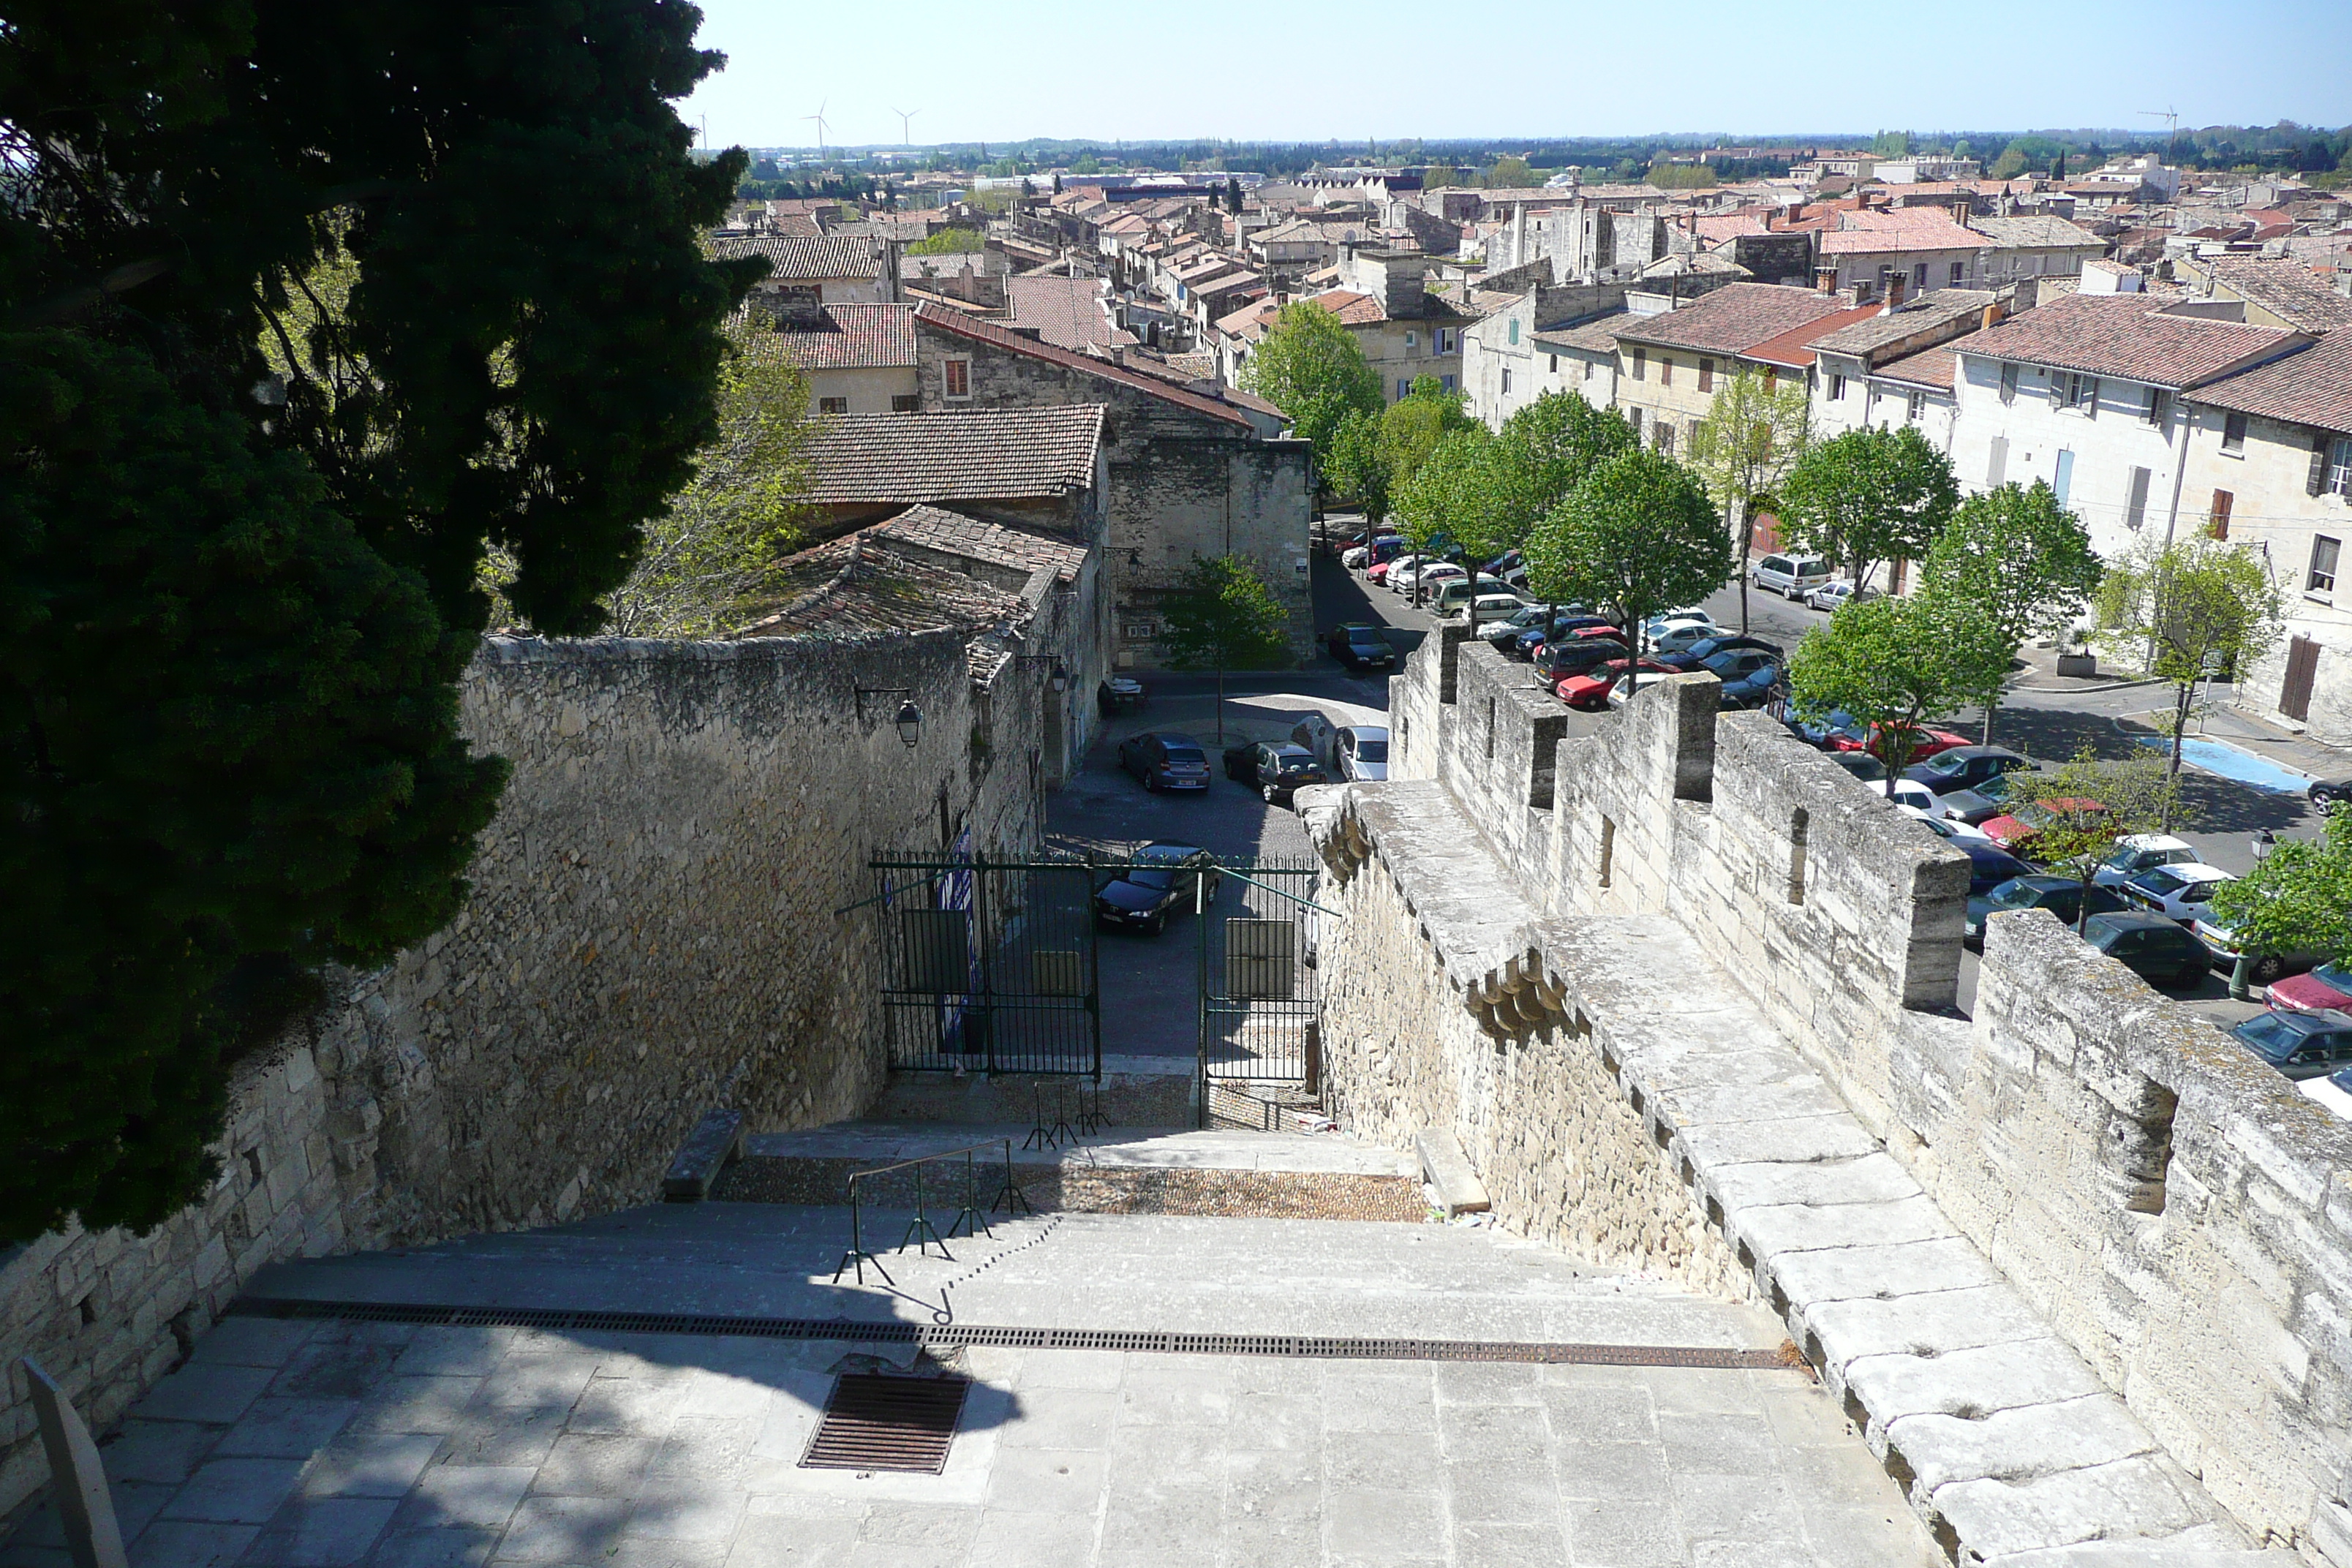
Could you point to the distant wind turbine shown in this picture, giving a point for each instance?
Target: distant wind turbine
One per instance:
(905, 117)
(819, 117)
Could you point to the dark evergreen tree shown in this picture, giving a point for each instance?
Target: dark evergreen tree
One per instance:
(302, 306)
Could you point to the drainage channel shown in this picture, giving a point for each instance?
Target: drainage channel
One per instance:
(942, 1336)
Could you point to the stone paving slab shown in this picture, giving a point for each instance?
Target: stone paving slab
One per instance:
(681, 1451)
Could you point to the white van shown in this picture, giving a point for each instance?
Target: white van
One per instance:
(1455, 593)
(1790, 576)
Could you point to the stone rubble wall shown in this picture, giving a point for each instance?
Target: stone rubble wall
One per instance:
(2170, 1209)
(651, 933)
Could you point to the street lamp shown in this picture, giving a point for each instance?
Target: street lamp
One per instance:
(1058, 679)
(909, 719)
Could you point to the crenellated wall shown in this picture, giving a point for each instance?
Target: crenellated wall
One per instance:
(2145, 1194)
(652, 931)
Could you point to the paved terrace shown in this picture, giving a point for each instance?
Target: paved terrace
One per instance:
(301, 1444)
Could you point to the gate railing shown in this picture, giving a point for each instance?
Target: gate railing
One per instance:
(1260, 1006)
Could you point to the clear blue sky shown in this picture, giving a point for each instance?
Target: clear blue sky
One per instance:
(988, 70)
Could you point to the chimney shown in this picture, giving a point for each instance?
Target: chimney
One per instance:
(1825, 279)
(1992, 317)
(1895, 283)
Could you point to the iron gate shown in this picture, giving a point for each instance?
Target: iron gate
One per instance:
(989, 966)
(1258, 1000)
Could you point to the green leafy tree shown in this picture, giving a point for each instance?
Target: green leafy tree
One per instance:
(2297, 899)
(1310, 368)
(1357, 468)
(1638, 536)
(2022, 556)
(1534, 463)
(711, 552)
(2187, 611)
(242, 519)
(1868, 495)
(1753, 434)
(1220, 617)
(1439, 503)
(950, 242)
(1895, 665)
(1509, 174)
(1412, 427)
(2090, 805)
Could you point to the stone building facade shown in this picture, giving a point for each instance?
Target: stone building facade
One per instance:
(2077, 1265)
(1191, 475)
(652, 932)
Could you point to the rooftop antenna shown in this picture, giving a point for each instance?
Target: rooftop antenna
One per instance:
(819, 117)
(2171, 119)
(905, 117)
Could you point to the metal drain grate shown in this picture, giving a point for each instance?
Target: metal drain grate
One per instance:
(878, 1422)
(944, 1336)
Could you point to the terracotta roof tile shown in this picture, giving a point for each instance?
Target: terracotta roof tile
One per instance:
(955, 323)
(1733, 319)
(791, 256)
(854, 337)
(1918, 314)
(2127, 336)
(1012, 454)
(2310, 387)
(857, 584)
(1068, 311)
(1934, 367)
(1795, 346)
(2283, 286)
(952, 533)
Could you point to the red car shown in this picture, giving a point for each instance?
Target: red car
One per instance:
(2017, 831)
(1924, 743)
(1591, 689)
(1378, 570)
(2329, 986)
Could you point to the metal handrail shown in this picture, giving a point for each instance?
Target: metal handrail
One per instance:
(919, 1230)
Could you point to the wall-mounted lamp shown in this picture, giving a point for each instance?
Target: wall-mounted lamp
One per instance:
(909, 720)
(1058, 678)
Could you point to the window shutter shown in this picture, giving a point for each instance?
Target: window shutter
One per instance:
(2317, 480)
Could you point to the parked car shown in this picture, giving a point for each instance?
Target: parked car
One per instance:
(2062, 896)
(1365, 554)
(1739, 663)
(1493, 600)
(2016, 829)
(1751, 690)
(1831, 597)
(1574, 655)
(1502, 634)
(2326, 795)
(2150, 946)
(1941, 826)
(1165, 760)
(1925, 741)
(1864, 766)
(1657, 626)
(1140, 898)
(2334, 1091)
(1360, 645)
(1698, 653)
(1790, 576)
(1989, 865)
(2300, 1045)
(1362, 751)
(1120, 694)
(2137, 852)
(1276, 769)
(2329, 986)
(1422, 576)
(1681, 635)
(2181, 891)
(1313, 734)
(1981, 804)
(1378, 572)
(2264, 968)
(1567, 624)
(1965, 766)
(1591, 689)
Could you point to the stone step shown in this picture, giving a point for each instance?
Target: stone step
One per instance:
(1241, 1105)
(1084, 1271)
(1169, 1169)
(1139, 1091)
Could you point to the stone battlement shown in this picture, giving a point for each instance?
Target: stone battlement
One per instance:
(1685, 992)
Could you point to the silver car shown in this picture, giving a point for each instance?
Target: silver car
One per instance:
(1362, 752)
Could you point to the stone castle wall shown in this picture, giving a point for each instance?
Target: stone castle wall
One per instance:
(651, 933)
(2167, 1206)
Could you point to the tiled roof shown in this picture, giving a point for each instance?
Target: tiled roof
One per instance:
(857, 584)
(1734, 318)
(1916, 314)
(2034, 230)
(1011, 453)
(2127, 336)
(952, 533)
(1353, 310)
(2312, 387)
(955, 323)
(795, 226)
(1795, 346)
(2284, 287)
(1906, 228)
(1598, 336)
(854, 337)
(1068, 312)
(1933, 367)
(830, 255)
